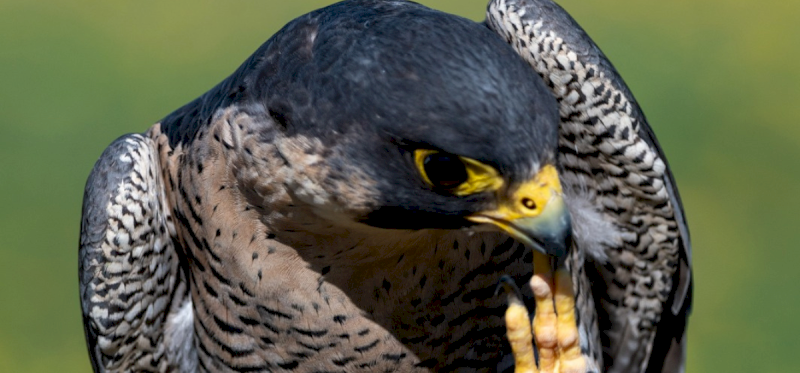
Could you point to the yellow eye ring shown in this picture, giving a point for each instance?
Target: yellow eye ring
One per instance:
(477, 177)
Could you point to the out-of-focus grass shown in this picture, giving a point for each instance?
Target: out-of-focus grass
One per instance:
(718, 80)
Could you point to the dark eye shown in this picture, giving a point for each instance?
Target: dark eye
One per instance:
(445, 170)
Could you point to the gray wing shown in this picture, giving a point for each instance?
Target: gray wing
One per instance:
(130, 277)
(609, 156)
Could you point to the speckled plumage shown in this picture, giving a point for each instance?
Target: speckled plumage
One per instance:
(270, 225)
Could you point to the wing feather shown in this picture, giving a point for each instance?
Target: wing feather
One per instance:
(130, 278)
(610, 153)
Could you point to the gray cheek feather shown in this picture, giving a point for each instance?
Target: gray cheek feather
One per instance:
(591, 230)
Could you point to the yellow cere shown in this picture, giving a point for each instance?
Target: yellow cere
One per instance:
(480, 177)
(531, 198)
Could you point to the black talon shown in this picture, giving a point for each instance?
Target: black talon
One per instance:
(507, 284)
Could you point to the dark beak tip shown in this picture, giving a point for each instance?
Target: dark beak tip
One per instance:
(557, 242)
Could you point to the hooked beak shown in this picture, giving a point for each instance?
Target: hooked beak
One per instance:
(534, 214)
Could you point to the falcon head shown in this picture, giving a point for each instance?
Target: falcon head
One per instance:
(401, 117)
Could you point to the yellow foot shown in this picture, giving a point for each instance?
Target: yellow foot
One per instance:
(554, 329)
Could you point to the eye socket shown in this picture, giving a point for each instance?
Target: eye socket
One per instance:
(458, 175)
(444, 170)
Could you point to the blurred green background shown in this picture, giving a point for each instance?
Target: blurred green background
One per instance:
(718, 79)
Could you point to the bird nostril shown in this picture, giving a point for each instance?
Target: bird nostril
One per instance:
(529, 203)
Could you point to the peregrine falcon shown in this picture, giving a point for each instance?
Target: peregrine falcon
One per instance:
(351, 196)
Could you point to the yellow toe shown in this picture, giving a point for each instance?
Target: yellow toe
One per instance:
(554, 328)
(570, 359)
(519, 336)
(544, 320)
